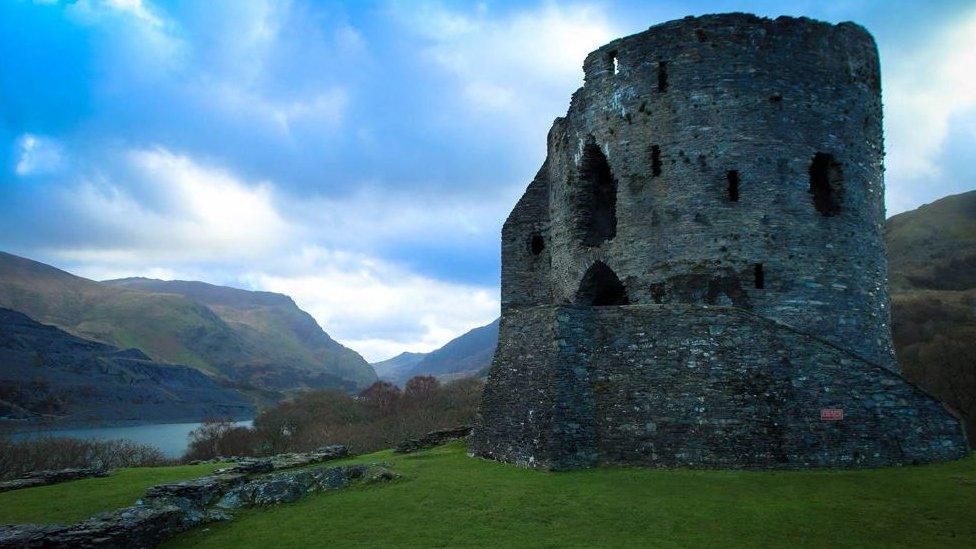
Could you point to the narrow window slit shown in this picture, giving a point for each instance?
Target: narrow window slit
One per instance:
(826, 184)
(655, 161)
(733, 178)
(537, 244)
(760, 276)
(662, 76)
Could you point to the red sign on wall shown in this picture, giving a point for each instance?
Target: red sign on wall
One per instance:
(831, 414)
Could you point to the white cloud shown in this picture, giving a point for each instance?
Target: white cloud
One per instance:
(138, 9)
(212, 214)
(536, 52)
(377, 308)
(925, 87)
(38, 155)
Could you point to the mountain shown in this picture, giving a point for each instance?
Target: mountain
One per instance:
(265, 346)
(932, 276)
(394, 368)
(50, 375)
(269, 325)
(466, 355)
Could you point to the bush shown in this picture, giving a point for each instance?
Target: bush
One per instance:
(23, 456)
(379, 417)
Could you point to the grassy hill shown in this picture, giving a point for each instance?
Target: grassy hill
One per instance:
(269, 325)
(932, 276)
(253, 349)
(447, 499)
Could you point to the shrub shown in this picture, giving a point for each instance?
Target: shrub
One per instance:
(379, 417)
(23, 456)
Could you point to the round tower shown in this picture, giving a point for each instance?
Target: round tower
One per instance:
(724, 160)
(696, 275)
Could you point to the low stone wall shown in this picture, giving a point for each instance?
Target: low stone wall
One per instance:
(168, 509)
(431, 439)
(707, 387)
(43, 478)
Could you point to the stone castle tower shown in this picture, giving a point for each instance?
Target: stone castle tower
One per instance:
(696, 276)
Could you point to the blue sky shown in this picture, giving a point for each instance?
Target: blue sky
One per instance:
(361, 156)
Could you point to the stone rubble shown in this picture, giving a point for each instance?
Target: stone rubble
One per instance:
(168, 509)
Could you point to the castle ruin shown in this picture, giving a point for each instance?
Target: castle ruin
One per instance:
(696, 275)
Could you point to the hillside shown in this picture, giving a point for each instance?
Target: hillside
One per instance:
(931, 260)
(466, 355)
(394, 368)
(174, 328)
(50, 375)
(269, 325)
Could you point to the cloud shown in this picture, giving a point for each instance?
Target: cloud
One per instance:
(509, 62)
(378, 308)
(925, 87)
(184, 210)
(38, 155)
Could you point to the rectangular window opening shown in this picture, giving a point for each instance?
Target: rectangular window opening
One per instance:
(760, 276)
(733, 178)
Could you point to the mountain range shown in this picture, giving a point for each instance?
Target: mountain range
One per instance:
(467, 355)
(260, 343)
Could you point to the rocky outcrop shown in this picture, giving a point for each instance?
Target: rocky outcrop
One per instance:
(431, 439)
(51, 375)
(43, 478)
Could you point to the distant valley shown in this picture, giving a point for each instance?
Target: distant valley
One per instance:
(467, 355)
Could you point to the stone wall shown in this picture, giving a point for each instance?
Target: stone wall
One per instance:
(722, 387)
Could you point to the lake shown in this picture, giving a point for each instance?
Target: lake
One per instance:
(171, 438)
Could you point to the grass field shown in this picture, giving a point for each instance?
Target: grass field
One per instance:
(80, 499)
(448, 499)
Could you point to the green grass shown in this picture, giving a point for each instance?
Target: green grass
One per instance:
(73, 501)
(448, 499)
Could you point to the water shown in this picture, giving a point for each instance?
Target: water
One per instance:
(171, 438)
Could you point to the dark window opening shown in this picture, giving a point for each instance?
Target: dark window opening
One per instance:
(826, 184)
(662, 76)
(760, 276)
(601, 287)
(599, 200)
(655, 161)
(702, 35)
(733, 177)
(537, 244)
(613, 64)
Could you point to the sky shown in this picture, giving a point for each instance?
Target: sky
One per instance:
(362, 156)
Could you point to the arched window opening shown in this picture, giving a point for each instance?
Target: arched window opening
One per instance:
(599, 197)
(733, 178)
(760, 276)
(826, 184)
(600, 287)
(537, 244)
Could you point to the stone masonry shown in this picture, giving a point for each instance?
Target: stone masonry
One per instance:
(696, 276)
